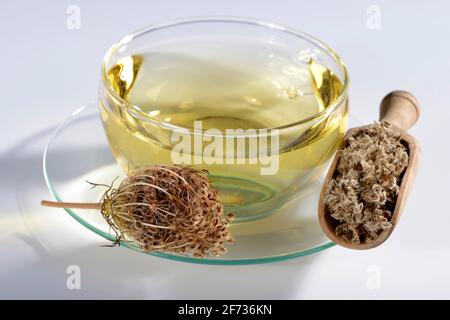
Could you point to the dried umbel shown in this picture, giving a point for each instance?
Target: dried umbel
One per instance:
(167, 208)
(362, 195)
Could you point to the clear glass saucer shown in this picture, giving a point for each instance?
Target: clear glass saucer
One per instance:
(78, 152)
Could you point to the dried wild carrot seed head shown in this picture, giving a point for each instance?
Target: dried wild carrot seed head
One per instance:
(168, 208)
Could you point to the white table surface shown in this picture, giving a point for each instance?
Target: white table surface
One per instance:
(48, 70)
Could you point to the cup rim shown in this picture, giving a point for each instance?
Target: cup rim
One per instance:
(134, 109)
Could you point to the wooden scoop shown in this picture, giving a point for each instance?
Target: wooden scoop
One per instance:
(401, 110)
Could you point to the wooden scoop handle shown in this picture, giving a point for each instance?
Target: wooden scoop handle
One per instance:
(400, 108)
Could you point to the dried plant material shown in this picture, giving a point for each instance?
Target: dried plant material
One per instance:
(362, 195)
(164, 208)
(168, 208)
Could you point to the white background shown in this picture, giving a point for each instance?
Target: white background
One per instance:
(47, 71)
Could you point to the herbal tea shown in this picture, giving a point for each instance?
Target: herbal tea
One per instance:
(211, 100)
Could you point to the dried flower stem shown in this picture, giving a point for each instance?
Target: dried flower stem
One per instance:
(167, 208)
(71, 205)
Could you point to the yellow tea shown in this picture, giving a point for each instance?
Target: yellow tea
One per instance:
(198, 88)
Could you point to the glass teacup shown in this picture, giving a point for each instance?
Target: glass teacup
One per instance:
(262, 107)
